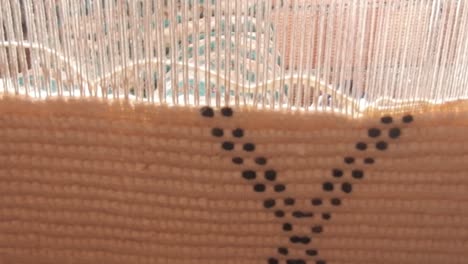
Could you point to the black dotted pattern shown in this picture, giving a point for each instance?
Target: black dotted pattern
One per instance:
(227, 111)
(279, 188)
(259, 187)
(207, 111)
(349, 160)
(269, 203)
(227, 145)
(261, 161)
(326, 216)
(237, 160)
(289, 201)
(361, 146)
(340, 183)
(369, 161)
(317, 201)
(249, 175)
(374, 132)
(249, 147)
(287, 227)
(273, 261)
(238, 133)
(337, 173)
(217, 132)
(283, 251)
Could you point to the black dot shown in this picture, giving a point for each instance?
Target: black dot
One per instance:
(273, 261)
(259, 187)
(289, 201)
(207, 111)
(298, 239)
(335, 201)
(381, 145)
(249, 175)
(283, 251)
(374, 132)
(260, 161)
(394, 132)
(349, 160)
(316, 201)
(326, 216)
(337, 173)
(270, 175)
(328, 186)
(361, 146)
(386, 119)
(369, 161)
(317, 229)
(217, 132)
(295, 239)
(407, 119)
(357, 174)
(226, 111)
(280, 188)
(249, 147)
(238, 132)
(279, 213)
(269, 203)
(346, 187)
(237, 160)
(312, 252)
(287, 227)
(320, 262)
(295, 261)
(228, 145)
(299, 214)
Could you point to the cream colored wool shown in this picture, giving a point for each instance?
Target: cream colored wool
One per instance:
(85, 181)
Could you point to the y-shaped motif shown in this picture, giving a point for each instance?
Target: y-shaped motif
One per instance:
(337, 180)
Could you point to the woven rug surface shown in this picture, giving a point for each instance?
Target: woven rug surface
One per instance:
(84, 181)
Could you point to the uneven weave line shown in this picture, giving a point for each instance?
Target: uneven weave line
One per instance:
(94, 182)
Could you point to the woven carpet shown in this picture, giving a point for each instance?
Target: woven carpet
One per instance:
(98, 182)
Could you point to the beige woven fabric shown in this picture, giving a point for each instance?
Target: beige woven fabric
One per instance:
(94, 182)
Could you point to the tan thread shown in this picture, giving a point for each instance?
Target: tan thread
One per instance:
(94, 182)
